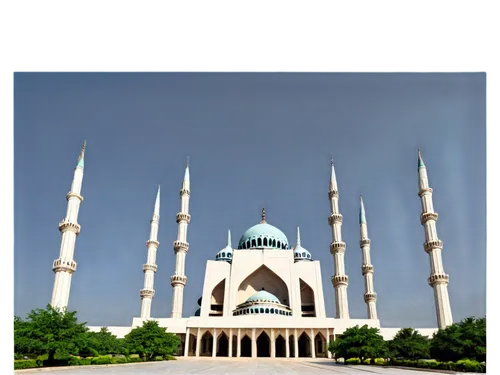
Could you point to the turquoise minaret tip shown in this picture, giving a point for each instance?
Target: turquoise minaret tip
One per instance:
(420, 160)
(81, 156)
(362, 215)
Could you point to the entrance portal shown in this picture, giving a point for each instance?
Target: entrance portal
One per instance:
(223, 346)
(246, 346)
(263, 347)
(280, 346)
(304, 345)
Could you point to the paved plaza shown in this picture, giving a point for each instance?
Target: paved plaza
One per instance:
(221, 366)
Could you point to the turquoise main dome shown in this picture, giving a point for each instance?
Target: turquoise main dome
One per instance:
(263, 235)
(263, 296)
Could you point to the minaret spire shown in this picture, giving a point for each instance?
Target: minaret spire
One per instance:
(438, 279)
(229, 238)
(148, 292)
(367, 268)
(298, 236)
(181, 246)
(64, 266)
(337, 248)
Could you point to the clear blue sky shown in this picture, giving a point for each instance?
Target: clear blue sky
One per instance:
(254, 140)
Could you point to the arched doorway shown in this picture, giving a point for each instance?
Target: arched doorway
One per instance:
(280, 346)
(304, 345)
(263, 345)
(320, 345)
(206, 344)
(223, 346)
(246, 346)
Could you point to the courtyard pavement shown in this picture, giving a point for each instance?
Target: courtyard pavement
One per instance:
(221, 366)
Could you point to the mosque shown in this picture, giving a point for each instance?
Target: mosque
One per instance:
(263, 298)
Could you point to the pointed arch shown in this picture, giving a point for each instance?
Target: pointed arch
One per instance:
(263, 277)
(307, 304)
(263, 345)
(217, 299)
(320, 345)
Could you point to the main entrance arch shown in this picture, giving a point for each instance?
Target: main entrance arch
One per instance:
(263, 278)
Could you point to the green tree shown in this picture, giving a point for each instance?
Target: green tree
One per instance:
(104, 342)
(50, 331)
(151, 340)
(409, 344)
(359, 342)
(466, 339)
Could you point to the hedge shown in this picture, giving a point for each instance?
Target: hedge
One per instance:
(462, 365)
(77, 361)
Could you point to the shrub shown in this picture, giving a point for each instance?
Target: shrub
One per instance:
(353, 361)
(133, 359)
(379, 361)
(26, 363)
(117, 360)
(169, 357)
(104, 360)
(158, 358)
(367, 361)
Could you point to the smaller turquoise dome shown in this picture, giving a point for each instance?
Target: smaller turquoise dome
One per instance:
(262, 295)
(226, 254)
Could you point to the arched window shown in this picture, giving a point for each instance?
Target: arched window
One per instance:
(262, 310)
(304, 255)
(274, 243)
(265, 241)
(229, 255)
(267, 310)
(223, 255)
(279, 244)
(259, 242)
(253, 243)
(309, 256)
(248, 244)
(272, 311)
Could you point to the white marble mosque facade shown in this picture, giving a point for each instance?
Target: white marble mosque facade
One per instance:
(265, 297)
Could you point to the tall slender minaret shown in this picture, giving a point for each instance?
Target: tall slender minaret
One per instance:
(148, 292)
(367, 268)
(337, 248)
(64, 266)
(438, 280)
(181, 246)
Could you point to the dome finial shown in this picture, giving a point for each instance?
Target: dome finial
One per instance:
(298, 236)
(263, 216)
(229, 238)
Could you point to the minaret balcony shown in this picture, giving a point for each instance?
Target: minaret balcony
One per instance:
(178, 280)
(365, 268)
(426, 216)
(431, 245)
(64, 265)
(149, 267)
(147, 293)
(181, 246)
(338, 280)
(66, 225)
(333, 194)
(74, 195)
(424, 191)
(364, 242)
(438, 278)
(334, 218)
(337, 247)
(181, 216)
(370, 297)
(152, 243)
(185, 192)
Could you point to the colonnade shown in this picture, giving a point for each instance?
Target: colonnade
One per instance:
(258, 342)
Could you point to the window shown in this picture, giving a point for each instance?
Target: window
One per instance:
(223, 255)
(267, 310)
(279, 244)
(265, 241)
(253, 243)
(248, 244)
(309, 256)
(272, 311)
(259, 242)
(304, 255)
(262, 310)
(229, 255)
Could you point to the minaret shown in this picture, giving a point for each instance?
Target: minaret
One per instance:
(433, 246)
(367, 268)
(337, 248)
(148, 292)
(64, 266)
(181, 246)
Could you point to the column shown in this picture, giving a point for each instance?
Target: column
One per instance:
(254, 344)
(230, 354)
(273, 344)
(214, 346)
(186, 343)
(287, 344)
(296, 344)
(238, 344)
(328, 353)
(313, 345)
(198, 342)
